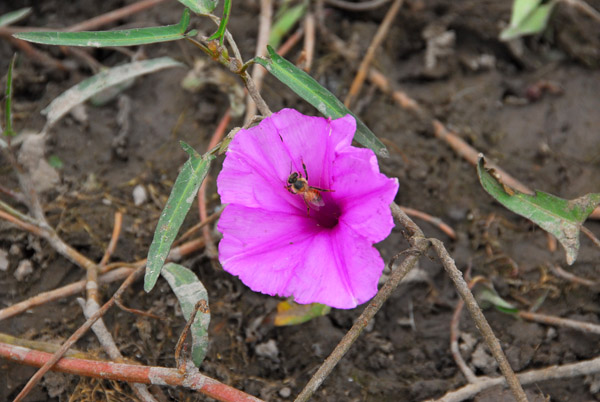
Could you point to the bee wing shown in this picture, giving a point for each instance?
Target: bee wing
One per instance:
(316, 200)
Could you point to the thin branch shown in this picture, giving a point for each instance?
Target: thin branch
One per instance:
(112, 16)
(382, 32)
(479, 319)
(557, 270)
(258, 73)
(584, 7)
(444, 227)
(561, 322)
(113, 239)
(62, 292)
(193, 380)
(76, 335)
(556, 372)
(420, 246)
(360, 6)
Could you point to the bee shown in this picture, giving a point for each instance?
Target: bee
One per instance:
(296, 184)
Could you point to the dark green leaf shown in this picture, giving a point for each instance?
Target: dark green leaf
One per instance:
(100, 82)
(14, 16)
(560, 217)
(189, 291)
(180, 200)
(200, 6)
(127, 37)
(8, 130)
(312, 92)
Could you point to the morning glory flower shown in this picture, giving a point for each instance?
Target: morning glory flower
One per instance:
(304, 210)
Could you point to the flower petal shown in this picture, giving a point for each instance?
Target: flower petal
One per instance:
(287, 255)
(263, 247)
(341, 269)
(363, 194)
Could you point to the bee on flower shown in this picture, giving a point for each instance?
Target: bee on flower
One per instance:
(290, 234)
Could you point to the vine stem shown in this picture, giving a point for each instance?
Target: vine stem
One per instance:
(134, 373)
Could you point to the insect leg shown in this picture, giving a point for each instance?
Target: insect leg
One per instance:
(305, 172)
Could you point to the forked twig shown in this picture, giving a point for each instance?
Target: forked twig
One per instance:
(420, 246)
(480, 321)
(76, 335)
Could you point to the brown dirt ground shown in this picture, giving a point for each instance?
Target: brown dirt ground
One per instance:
(550, 143)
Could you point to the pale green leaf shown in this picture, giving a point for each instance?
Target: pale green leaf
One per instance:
(126, 37)
(189, 291)
(14, 16)
(562, 218)
(200, 6)
(101, 81)
(528, 17)
(315, 94)
(284, 23)
(8, 94)
(292, 313)
(180, 200)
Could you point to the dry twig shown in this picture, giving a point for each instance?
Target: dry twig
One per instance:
(191, 379)
(373, 46)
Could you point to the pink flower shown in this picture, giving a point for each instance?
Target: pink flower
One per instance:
(270, 240)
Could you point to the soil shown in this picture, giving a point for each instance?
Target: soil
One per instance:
(530, 106)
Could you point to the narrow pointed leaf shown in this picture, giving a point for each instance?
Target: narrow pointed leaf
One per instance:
(292, 313)
(220, 34)
(14, 16)
(126, 37)
(528, 17)
(200, 6)
(180, 200)
(8, 130)
(101, 81)
(560, 217)
(189, 291)
(486, 296)
(311, 91)
(285, 23)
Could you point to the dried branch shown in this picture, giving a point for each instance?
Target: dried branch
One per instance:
(191, 379)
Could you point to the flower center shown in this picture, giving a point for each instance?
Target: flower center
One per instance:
(328, 215)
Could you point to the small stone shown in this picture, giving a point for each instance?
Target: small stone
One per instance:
(140, 195)
(15, 250)
(268, 349)
(285, 392)
(25, 268)
(3, 260)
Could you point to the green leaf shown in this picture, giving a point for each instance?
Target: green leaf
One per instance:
(200, 6)
(487, 296)
(14, 16)
(284, 23)
(180, 200)
(220, 34)
(560, 217)
(8, 130)
(55, 162)
(528, 17)
(127, 37)
(189, 291)
(101, 81)
(312, 92)
(292, 313)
